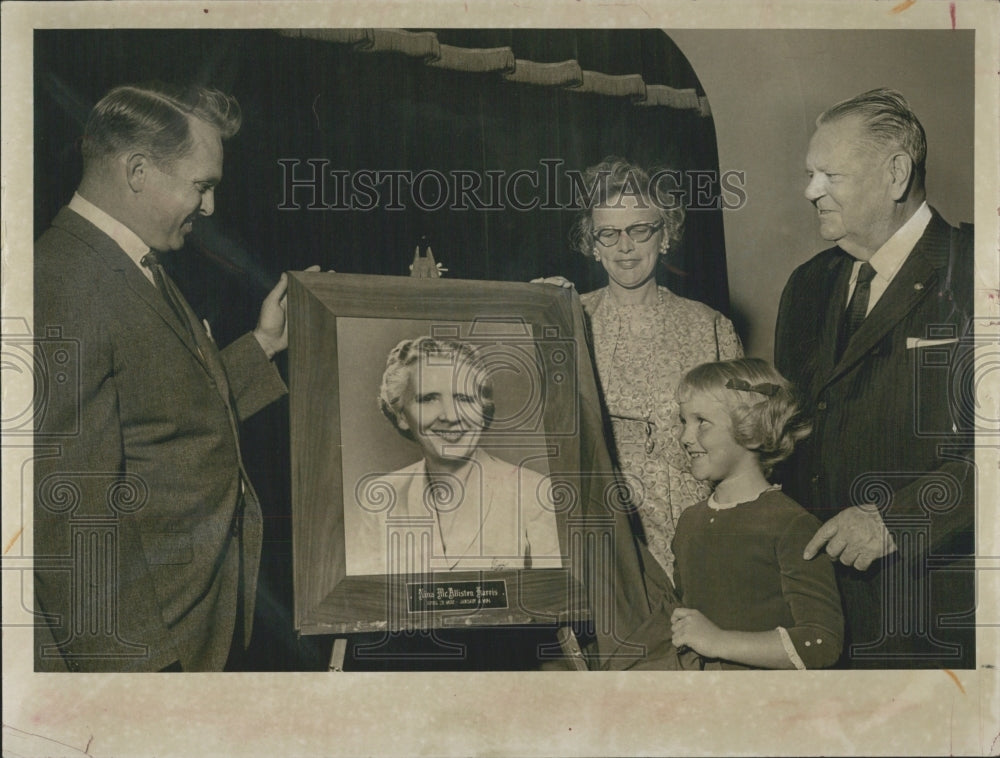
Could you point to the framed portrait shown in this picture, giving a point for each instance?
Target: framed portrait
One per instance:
(436, 453)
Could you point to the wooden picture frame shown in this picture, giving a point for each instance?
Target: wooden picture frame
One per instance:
(341, 329)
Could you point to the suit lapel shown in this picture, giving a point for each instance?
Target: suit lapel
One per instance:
(914, 281)
(111, 255)
(839, 284)
(148, 293)
(206, 350)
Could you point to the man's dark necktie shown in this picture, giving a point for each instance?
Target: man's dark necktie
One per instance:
(857, 308)
(172, 295)
(189, 320)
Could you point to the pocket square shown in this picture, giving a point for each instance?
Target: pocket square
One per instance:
(916, 342)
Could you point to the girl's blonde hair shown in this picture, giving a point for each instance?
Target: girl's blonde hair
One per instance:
(761, 402)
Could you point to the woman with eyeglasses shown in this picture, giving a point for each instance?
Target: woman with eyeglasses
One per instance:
(645, 339)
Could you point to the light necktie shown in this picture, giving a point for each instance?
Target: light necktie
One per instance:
(857, 308)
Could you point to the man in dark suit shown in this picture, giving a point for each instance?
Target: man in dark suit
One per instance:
(876, 334)
(147, 531)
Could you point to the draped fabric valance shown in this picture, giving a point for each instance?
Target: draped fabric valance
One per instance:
(469, 140)
(568, 74)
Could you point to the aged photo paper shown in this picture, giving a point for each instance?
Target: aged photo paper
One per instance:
(755, 75)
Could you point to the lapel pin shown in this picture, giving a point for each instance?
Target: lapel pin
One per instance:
(918, 286)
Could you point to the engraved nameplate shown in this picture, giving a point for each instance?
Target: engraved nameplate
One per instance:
(452, 596)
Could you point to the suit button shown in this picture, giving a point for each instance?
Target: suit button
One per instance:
(821, 405)
(815, 479)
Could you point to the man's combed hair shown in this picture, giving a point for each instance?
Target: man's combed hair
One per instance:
(155, 119)
(399, 373)
(613, 178)
(767, 421)
(889, 122)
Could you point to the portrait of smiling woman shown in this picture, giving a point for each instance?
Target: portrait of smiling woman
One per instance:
(458, 507)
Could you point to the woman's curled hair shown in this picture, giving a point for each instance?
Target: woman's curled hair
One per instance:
(605, 183)
(399, 373)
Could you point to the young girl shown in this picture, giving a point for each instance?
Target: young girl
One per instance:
(748, 597)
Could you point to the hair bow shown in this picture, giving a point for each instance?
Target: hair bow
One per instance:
(765, 388)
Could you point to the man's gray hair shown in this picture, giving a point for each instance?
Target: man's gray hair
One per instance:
(889, 122)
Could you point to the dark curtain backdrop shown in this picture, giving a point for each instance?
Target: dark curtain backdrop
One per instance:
(306, 100)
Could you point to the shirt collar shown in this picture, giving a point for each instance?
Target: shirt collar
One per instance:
(888, 258)
(126, 239)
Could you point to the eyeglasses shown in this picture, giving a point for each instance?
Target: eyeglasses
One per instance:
(609, 236)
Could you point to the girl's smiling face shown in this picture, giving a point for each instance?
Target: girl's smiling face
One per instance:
(708, 439)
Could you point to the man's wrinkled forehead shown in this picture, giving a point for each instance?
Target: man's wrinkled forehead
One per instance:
(843, 138)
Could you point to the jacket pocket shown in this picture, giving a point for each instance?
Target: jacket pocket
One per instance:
(166, 548)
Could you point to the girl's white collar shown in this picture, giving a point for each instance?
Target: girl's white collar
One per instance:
(715, 505)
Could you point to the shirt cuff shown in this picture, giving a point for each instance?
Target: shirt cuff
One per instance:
(793, 656)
